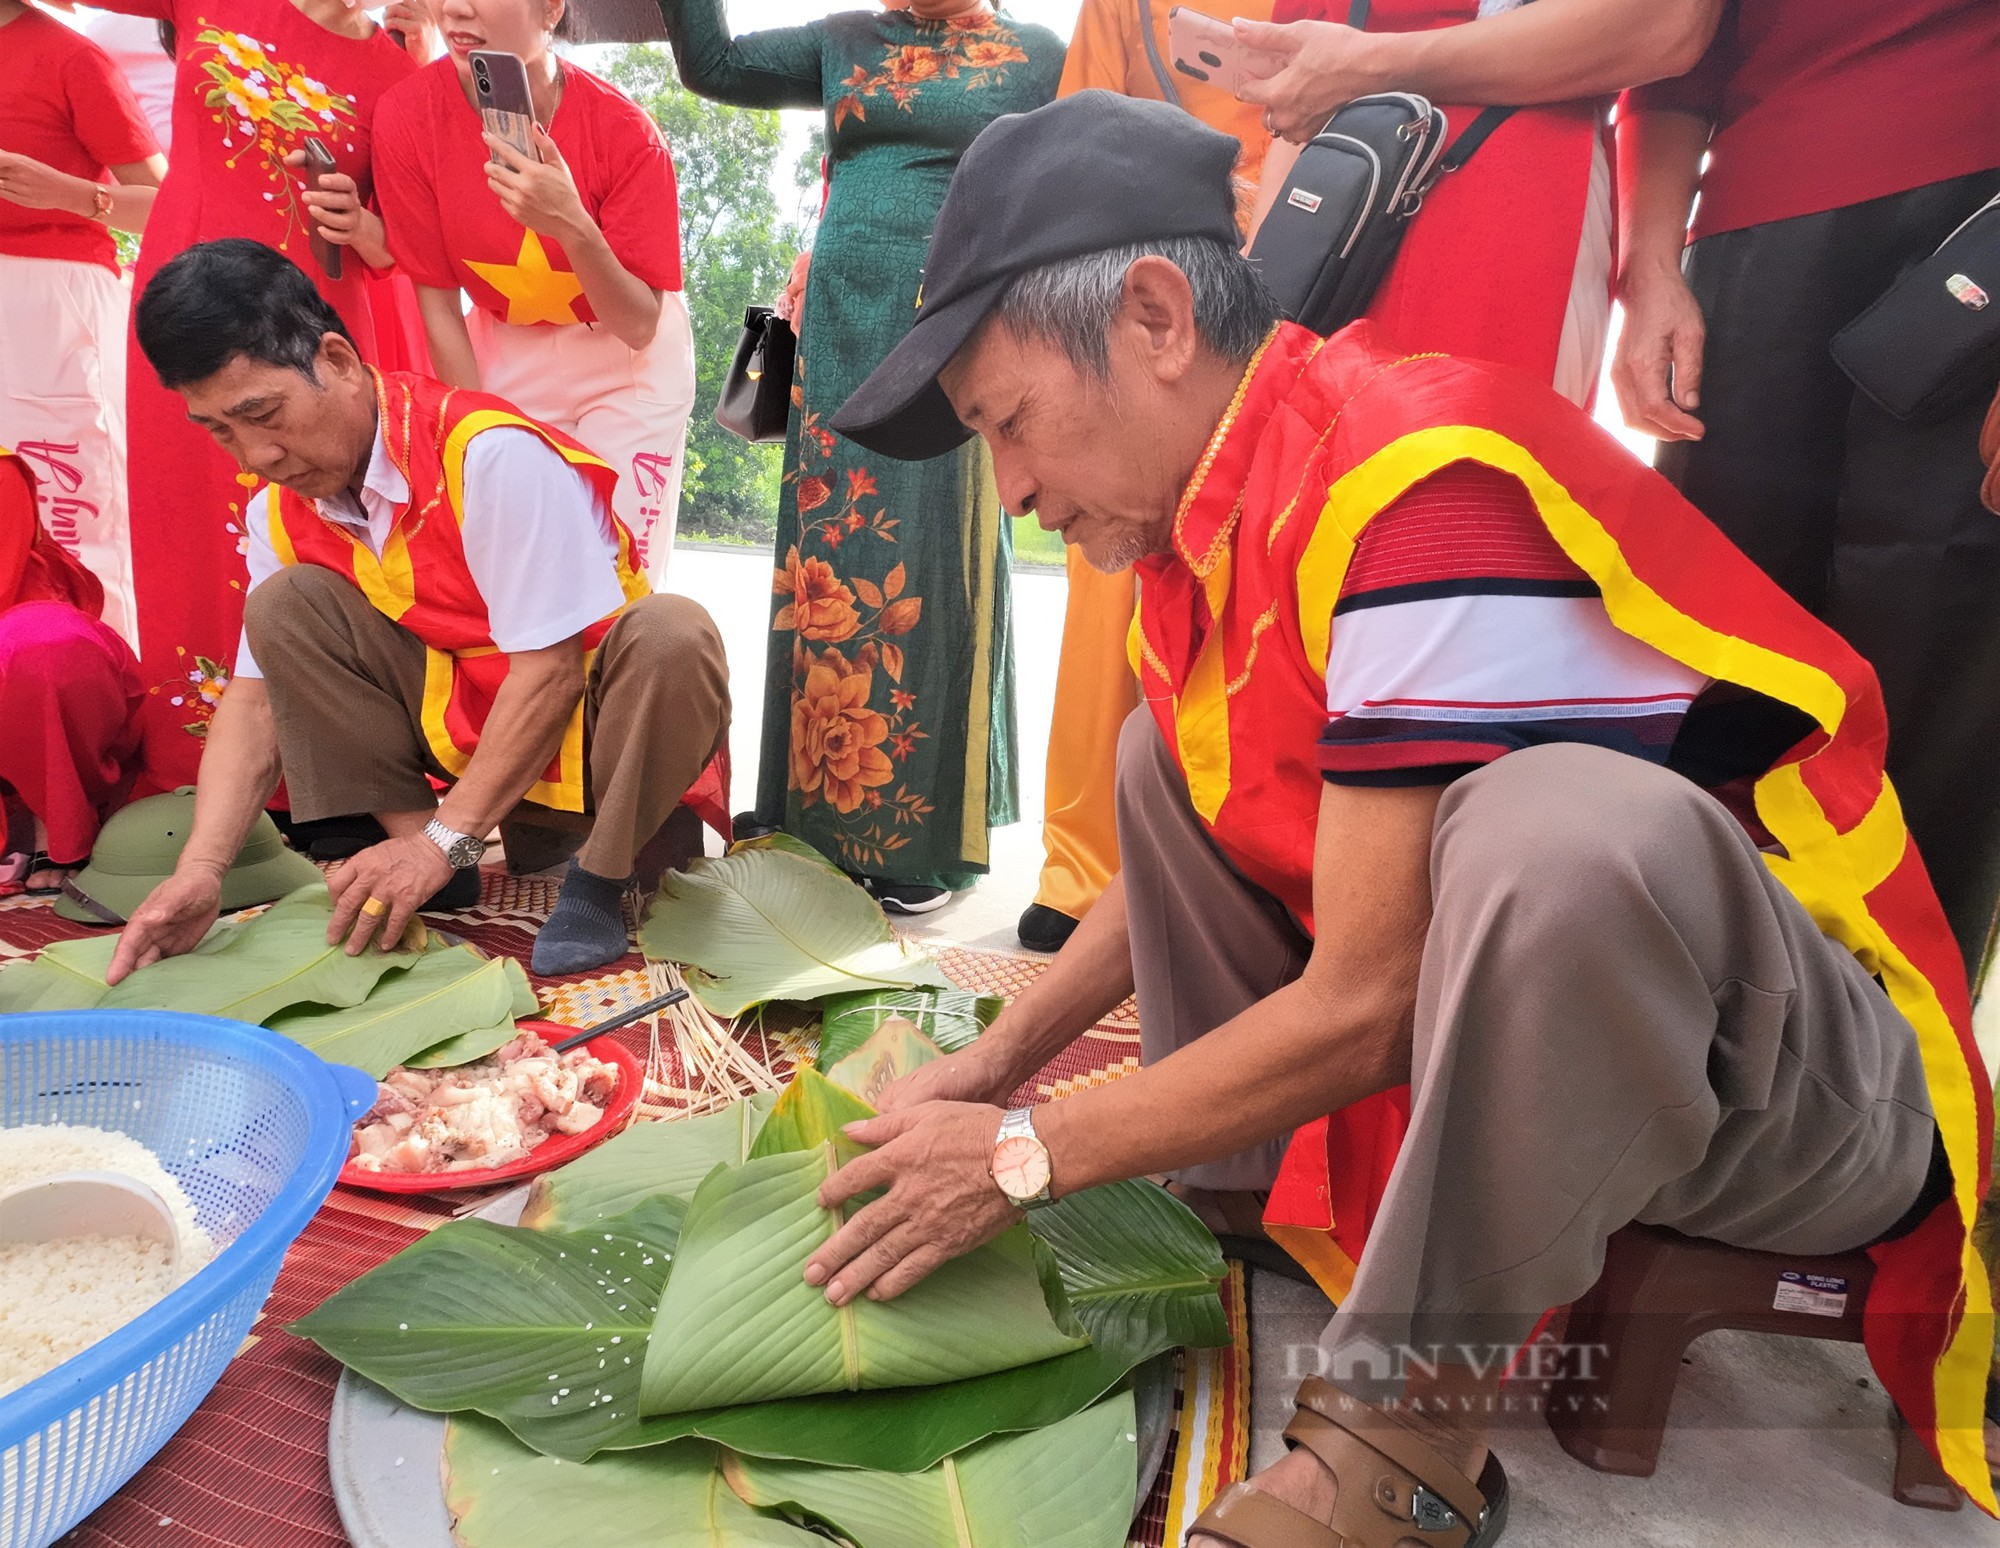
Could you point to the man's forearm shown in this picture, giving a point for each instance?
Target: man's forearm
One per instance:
(522, 733)
(1554, 51)
(1294, 1056)
(1089, 978)
(239, 775)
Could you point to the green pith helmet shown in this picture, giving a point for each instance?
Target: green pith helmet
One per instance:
(137, 849)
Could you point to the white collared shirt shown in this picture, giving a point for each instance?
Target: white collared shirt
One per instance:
(538, 540)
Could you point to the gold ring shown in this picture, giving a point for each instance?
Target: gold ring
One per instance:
(374, 908)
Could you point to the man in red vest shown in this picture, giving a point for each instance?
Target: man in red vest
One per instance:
(438, 588)
(1493, 832)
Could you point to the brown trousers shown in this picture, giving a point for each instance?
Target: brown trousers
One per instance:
(1621, 1015)
(347, 689)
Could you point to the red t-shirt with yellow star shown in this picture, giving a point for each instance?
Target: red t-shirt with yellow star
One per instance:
(447, 228)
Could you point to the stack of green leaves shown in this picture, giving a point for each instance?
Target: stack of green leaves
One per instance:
(376, 1010)
(649, 1320)
(774, 921)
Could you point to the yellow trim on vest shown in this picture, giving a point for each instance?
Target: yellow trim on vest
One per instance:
(563, 795)
(631, 578)
(438, 666)
(1201, 715)
(490, 419)
(274, 523)
(1318, 1254)
(1828, 871)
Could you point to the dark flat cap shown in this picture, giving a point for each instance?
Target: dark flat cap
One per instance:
(1088, 173)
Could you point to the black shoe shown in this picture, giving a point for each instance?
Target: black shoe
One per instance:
(461, 892)
(908, 898)
(1044, 929)
(748, 825)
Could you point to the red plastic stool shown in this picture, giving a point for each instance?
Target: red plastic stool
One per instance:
(1659, 1292)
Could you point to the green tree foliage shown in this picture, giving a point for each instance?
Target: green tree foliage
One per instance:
(736, 251)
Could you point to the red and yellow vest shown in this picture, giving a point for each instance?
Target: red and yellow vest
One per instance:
(421, 579)
(1230, 643)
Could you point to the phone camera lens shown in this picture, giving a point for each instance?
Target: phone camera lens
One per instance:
(485, 87)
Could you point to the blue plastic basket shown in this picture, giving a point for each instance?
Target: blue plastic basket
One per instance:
(255, 1128)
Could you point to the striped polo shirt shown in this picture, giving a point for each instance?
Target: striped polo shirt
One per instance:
(1463, 633)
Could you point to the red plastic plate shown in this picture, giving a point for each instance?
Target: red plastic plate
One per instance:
(551, 1153)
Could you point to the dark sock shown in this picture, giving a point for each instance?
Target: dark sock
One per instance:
(587, 927)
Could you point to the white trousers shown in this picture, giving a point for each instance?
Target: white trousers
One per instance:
(629, 406)
(62, 408)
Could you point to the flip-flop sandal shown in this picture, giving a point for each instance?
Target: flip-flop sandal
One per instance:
(1393, 1487)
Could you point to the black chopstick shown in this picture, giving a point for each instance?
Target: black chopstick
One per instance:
(622, 1019)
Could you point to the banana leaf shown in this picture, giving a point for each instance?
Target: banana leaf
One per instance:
(253, 970)
(501, 1495)
(812, 1111)
(1138, 1264)
(739, 1324)
(541, 1325)
(67, 975)
(668, 1158)
(448, 1007)
(764, 924)
(1069, 1485)
(896, 1049)
(951, 1018)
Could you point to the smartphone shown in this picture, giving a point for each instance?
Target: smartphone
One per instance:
(1206, 50)
(319, 162)
(501, 83)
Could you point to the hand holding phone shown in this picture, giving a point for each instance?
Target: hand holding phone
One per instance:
(500, 81)
(319, 163)
(1207, 50)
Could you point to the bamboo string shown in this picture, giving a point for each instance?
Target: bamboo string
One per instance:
(713, 1065)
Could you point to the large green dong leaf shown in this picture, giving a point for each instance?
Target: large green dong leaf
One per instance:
(1138, 1266)
(812, 1111)
(896, 1049)
(518, 1325)
(502, 1495)
(253, 970)
(762, 925)
(669, 1158)
(68, 975)
(950, 1018)
(1069, 1485)
(448, 1007)
(739, 1324)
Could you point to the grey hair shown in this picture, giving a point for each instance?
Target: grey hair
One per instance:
(1071, 303)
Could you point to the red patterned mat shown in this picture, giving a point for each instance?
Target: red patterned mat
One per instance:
(248, 1470)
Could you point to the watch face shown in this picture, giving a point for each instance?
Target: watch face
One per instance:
(466, 852)
(1021, 1168)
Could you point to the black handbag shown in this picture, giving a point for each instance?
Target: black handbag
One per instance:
(1335, 227)
(756, 397)
(1931, 342)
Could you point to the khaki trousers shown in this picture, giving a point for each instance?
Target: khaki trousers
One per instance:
(1621, 1015)
(347, 687)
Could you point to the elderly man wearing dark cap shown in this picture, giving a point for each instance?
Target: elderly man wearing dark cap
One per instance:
(1505, 858)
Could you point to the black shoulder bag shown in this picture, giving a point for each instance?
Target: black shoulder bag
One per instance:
(1931, 342)
(1336, 225)
(756, 397)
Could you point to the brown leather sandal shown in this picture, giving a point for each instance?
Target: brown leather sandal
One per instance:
(1393, 1486)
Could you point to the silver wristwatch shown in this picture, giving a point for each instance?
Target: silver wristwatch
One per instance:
(1021, 1161)
(461, 850)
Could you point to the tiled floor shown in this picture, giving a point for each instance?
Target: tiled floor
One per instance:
(1774, 1443)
